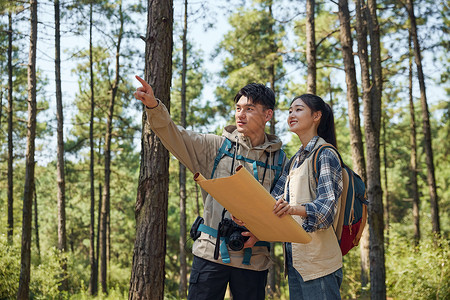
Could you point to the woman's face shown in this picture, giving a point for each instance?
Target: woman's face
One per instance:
(301, 119)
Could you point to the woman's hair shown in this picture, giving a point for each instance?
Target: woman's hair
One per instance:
(326, 129)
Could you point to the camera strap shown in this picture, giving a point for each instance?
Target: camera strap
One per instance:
(223, 246)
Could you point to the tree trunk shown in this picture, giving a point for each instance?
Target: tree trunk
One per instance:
(431, 180)
(147, 274)
(271, 278)
(93, 286)
(386, 190)
(310, 47)
(182, 174)
(10, 136)
(97, 248)
(361, 30)
(1, 97)
(24, 281)
(413, 146)
(197, 200)
(105, 212)
(357, 146)
(62, 236)
(272, 71)
(36, 225)
(372, 120)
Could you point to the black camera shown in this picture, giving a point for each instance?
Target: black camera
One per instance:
(231, 231)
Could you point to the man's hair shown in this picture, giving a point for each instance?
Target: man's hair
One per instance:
(258, 94)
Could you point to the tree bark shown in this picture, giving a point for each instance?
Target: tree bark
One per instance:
(182, 171)
(386, 187)
(361, 31)
(413, 146)
(62, 236)
(147, 275)
(36, 225)
(93, 282)
(272, 71)
(271, 277)
(97, 248)
(431, 180)
(372, 122)
(310, 47)
(357, 146)
(105, 212)
(24, 281)
(197, 200)
(10, 136)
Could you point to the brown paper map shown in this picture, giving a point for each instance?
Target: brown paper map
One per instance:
(248, 201)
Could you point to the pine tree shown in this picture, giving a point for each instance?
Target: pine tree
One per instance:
(147, 274)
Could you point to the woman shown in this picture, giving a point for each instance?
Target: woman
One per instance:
(314, 269)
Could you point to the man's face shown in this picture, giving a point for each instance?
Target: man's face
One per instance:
(251, 118)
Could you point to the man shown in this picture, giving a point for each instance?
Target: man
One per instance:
(245, 270)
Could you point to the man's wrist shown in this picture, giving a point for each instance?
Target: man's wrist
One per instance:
(157, 103)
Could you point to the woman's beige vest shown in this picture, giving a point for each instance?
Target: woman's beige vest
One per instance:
(322, 256)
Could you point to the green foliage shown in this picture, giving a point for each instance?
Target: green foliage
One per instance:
(256, 41)
(417, 273)
(9, 268)
(45, 276)
(351, 284)
(251, 52)
(411, 272)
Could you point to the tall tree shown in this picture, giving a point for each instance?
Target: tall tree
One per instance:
(36, 224)
(272, 67)
(10, 133)
(311, 47)
(25, 262)
(62, 236)
(431, 179)
(372, 124)
(356, 142)
(250, 52)
(361, 31)
(386, 206)
(182, 171)
(413, 146)
(147, 274)
(93, 286)
(105, 212)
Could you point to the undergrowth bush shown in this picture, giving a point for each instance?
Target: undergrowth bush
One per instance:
(9, 268)
(420, 272)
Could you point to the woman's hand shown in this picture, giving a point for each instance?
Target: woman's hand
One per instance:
(282, 208)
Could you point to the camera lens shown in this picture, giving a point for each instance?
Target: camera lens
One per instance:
(236, 241)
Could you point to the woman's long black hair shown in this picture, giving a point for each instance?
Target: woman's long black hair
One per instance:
(326, 129)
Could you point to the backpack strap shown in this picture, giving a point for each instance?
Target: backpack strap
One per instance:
(225, 149)
(279, 164)
(347, 185)
(316, 154)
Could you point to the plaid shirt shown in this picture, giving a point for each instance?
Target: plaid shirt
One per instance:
(320, 212)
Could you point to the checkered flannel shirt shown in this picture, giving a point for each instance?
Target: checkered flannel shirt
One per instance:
(321, 211)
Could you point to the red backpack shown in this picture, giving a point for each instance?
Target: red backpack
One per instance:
(352, 204)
